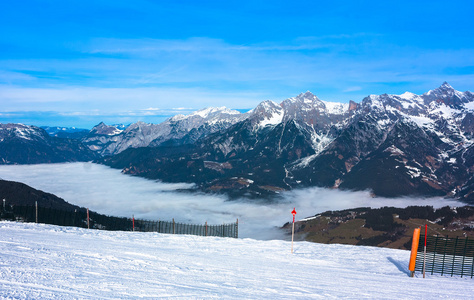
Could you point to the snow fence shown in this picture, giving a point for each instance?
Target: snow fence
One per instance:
(446, 256)
(84, 218)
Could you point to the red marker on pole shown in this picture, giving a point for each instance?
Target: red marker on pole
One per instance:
(293, 230)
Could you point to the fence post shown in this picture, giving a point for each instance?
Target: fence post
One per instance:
(88, 223)
(206, 228)
(133, 223)
(36, 210)
(472, 268)
(237, 229)
(464, 257)
(454, 255)
(434, 253)
(173, 227)
(444, 254)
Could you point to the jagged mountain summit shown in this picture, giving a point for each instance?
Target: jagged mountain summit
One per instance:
(394, 145)
(180, 129)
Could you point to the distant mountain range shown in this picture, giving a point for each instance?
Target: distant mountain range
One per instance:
(22, 144)
(394, 145)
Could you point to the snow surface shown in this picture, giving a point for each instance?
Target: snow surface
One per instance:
(336, 107)
(49, 262)
(274, 119)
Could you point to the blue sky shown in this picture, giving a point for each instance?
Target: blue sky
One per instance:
(76, 63)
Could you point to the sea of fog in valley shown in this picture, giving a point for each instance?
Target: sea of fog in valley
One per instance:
(108, 191)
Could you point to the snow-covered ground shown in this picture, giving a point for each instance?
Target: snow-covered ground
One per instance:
(40, 261)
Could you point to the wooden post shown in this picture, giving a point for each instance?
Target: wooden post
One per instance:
(173, 227)
(206, 228)
(414, 251)
(133, 223)
(88, 223)
(36, 208)
(237, 229)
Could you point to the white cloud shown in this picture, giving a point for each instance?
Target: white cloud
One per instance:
(199, 72)
(109, 192)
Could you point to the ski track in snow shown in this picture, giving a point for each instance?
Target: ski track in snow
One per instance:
(40, 261)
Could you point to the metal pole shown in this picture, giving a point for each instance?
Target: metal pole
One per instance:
(292, 235)
(424, 251)
(293, 229)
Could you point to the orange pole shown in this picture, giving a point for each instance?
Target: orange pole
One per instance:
(414, 251)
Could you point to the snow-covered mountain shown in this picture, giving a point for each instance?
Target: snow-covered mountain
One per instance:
(392, 144)
(180, 129)
(24, 144)
(401, 144)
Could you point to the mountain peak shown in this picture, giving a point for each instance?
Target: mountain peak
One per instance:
(307, 96)
(104, 129)
(446, 85)
(267, 113)
(448, 95)
(444, 89)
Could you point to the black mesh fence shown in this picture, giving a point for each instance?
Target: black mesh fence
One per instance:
(224, 230)
(446, 256)
(79, 218)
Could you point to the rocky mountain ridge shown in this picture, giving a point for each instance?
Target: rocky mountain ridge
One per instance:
(394, 145)
(25, 144)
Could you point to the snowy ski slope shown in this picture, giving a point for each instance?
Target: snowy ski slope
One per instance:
(40, 261)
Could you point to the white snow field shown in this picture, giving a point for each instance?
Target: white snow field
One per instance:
(40, 261)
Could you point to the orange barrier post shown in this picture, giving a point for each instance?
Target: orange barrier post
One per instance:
(414, 251)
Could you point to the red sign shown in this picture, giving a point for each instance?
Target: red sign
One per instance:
(294, 214)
